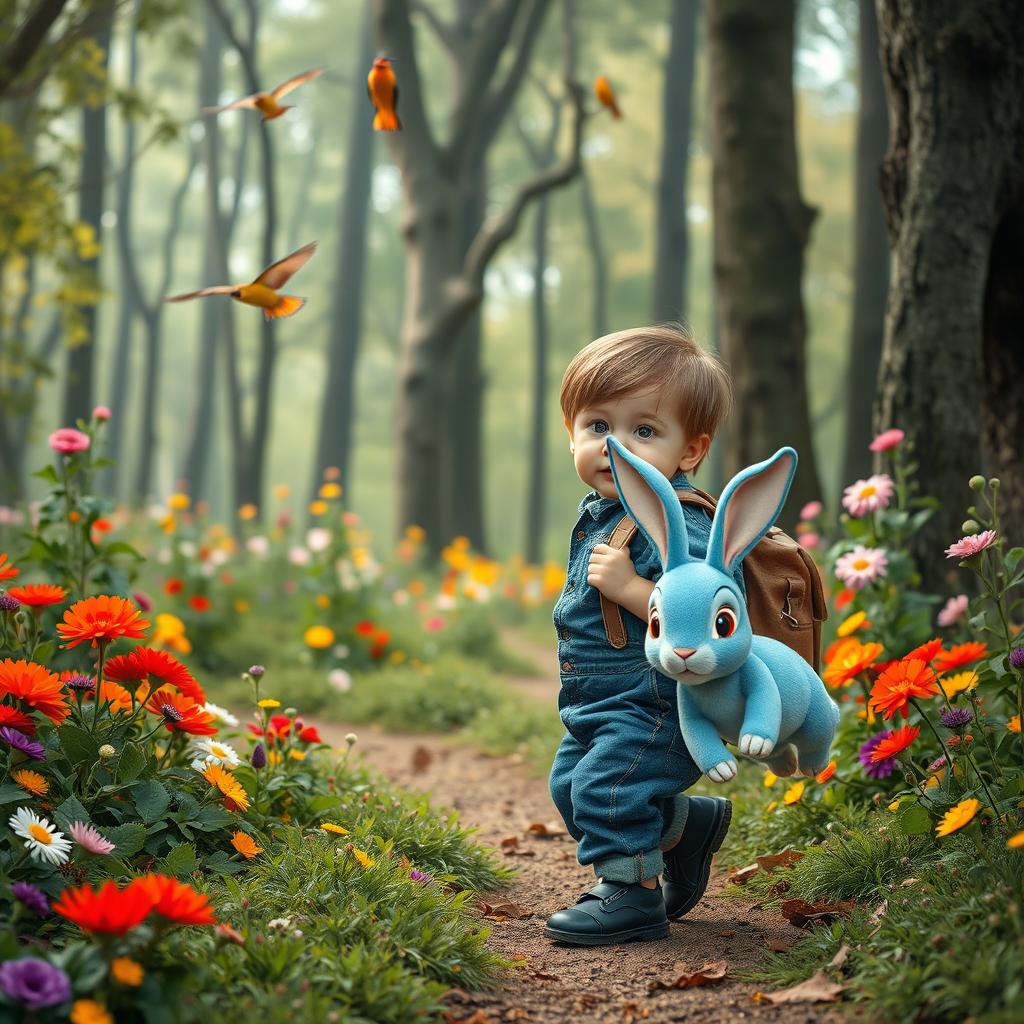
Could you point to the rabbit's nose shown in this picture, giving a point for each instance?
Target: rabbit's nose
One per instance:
(684, 652)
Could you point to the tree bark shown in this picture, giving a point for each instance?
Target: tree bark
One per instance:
(668, 298)
(598, 259)
(871, 254)
(761, 230)
(337, 412)
(953, 188)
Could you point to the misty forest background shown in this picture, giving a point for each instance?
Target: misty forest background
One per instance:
(767, 128)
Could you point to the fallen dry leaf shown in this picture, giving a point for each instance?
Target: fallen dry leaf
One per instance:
(778, 945)
(510, 843)
(546, 829)
(514, 851)
(743, 875)
(769, 862)
(421, 759)
(816, 989)
(841, 955)
(502, 911)
(707, 975)
(802, 914)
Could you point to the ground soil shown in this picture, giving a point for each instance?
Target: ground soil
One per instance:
(501, 799)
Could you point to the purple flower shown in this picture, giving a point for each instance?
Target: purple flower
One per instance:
(257, 671)
(34, 983)
(420, 876)
(8, 603)
(19, 741)
(1017, 657)
(939, 762)
(33, 898)
(259, 756)
(80, 683)
(953, 718)
(170, 713)
(876, 769)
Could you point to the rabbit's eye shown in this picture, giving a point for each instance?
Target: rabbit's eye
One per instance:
(654, 626)
(725, 623)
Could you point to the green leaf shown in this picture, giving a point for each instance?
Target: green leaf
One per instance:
(151, 800)
(1012, 558)
(69, 811)
(211, 819)
(127, 838)
(43, 653)
(47, 473)
(181, 861)
(914, 821)
(78, 745)
(131, 763)
(11, 793)
(121, 547)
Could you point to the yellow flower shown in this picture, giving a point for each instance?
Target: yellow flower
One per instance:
(397, 657)
(322, 601)
(364, 858)
(30, 781)
(167, 524)
(170, 632)
(415, 533)
(894, 806)
(248, 511)
(297, 755)
(852, 623)
(319, 637)
(952, 685)
(770, 778)
(317, 508)
(179, 502)
(269, 702)
(956, 817)
(88, 1011)
(1014, 724)
(127, 971)
(282, 491)
(242, 606)
(330, 490)
(244, 844)
(772, 805)
(1015, 842)
(793, 794)
(329, 826)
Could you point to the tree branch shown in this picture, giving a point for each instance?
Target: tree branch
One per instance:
(442, 30)
(17, 56)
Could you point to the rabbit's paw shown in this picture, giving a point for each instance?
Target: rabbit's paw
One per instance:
(723, 771)
(756, 746)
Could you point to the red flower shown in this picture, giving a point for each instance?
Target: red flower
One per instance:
(894, 688)
(102, 618)
(844, 597)
(102, 525)
(180, 713)
(15, 719)
(35, 686)
(310, 735)
(173, 586)
(36, 595)
(962, 654)
(926, 652)
(280, 724)
(895, 742)
(7, 572)
(254, 729)
(176, 901)
(145, 664)
(365, 628)
(109, 910)
(199, 603)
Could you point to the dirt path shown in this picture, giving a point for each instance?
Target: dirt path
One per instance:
(559, 983)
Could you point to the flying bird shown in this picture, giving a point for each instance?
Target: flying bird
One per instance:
(266, 102)
(263, 292)
(603, 91)
(382, 88)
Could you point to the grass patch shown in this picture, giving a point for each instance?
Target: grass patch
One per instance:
(521, 726)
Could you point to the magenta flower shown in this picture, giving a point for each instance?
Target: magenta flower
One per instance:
(968, 546)
(868, 495)
(34, 983)
(811, 510)
(953, 611)
(20, 742)
(89, 839)
(886, 440)
(809, 539)
(32, 897)
(101, 413)
(876, 769)
(861, 566)
(68, 440)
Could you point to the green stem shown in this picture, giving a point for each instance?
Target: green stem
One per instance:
(920, 711)
(99, 683)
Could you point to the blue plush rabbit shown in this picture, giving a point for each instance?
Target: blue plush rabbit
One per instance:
(751, 690)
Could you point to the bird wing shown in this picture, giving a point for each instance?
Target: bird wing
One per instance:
(245, 101)
(220, 289)
(293, 83)
(277, 273)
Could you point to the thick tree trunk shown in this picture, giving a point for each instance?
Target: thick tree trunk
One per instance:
(598, 259)
(78, 382)
(953, 186)
(761, 230)
(871, 254)
(668, 298)
(337, 413)
(536, 469)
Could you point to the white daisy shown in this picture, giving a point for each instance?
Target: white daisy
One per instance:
(212, 750)
(221, 714)
(42, 841)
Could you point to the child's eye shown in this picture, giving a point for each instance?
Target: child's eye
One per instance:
(649, 429)
(599, 426)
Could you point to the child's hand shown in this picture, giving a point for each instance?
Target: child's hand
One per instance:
(611, 571)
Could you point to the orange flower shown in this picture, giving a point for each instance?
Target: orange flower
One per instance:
(36, 686)
(895, 742)
(36, 595)
(7, 572)
(850, 662)
(31, 782)
(180, 713)
(199, 603)
(173, 586)
(101, 619)
(365, 628)
(15, 719)
(119, 698)
(826, 773)
(838, 646)
(844, 597)
(176, 901)
(962, 654)
(158, 668)
(102, 525)
(926, 652)
(235, 797)
(107, 911)
(244, 844)
(893, 689)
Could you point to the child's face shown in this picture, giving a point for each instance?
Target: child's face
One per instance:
(646, 430)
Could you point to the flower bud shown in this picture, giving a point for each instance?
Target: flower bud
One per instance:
(257, 671)
(291, 712)
(1017, 657)
(976, 483)
(259, 756)
(994, 483)
(106, 752)
(351, 738)
(970, 527)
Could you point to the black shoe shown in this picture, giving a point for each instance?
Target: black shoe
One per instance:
(688, 863)
(611, 912)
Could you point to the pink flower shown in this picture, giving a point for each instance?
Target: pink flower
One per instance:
(101, 413)
(809, 539)
(68, 440)
(811, 510)
(350, 518)
(434, 623)
(971, 545)
(886, 440)
(142, 600)
(868, 495)
(861, 566)
(89, 839)
(953, 610)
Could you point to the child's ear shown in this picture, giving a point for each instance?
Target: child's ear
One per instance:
(695, 452)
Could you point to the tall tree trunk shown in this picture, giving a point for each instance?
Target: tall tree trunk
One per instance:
(536, 468)
(337, 412)
(953, 186)
(761, 230)
(598, 259)
(78, 382)
(871, 253)
(668, 298)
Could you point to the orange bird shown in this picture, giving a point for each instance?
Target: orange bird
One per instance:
(382, 88)
(263, 291)
(266, 102)
(603, 91)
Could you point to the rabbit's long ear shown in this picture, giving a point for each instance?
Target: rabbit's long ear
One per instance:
(651, 502)
(747, 508)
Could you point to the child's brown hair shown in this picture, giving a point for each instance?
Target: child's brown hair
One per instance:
(661, 357)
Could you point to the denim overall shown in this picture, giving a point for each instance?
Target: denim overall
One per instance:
(620, 771)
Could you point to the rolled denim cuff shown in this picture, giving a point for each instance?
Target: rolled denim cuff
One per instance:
(675, 825)
(634, 867)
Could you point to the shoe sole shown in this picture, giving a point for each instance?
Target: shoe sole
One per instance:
(653, 931)
(716, 843)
